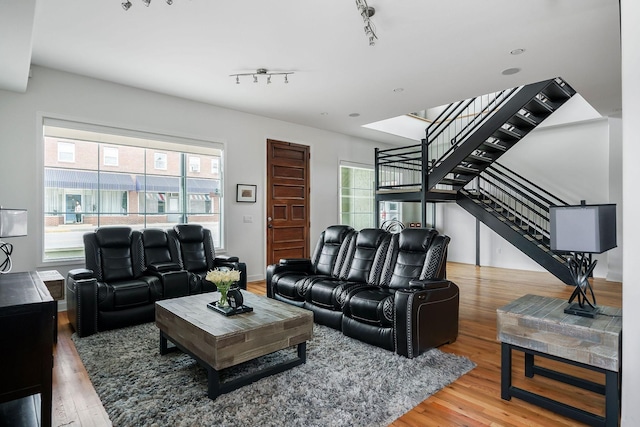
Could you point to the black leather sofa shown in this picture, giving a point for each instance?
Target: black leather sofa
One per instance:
(389, 290)
(127, 271)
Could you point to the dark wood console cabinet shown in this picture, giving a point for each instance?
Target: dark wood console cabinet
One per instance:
(27, 313)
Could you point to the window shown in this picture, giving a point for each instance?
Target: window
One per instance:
(160, 161)
(66, 152)
(215, 165)
(194, 164)
(110, 156)
(357, 201)
(154, 187)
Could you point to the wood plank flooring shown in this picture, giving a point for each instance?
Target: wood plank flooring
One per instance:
(473, 400)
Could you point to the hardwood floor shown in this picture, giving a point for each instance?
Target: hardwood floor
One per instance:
(473, 400)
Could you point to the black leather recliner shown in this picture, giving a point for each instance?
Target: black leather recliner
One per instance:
(412, 308)
(162, 261)
(196, 254)
(287, 280)
(113, 290)
(361, 267)
(387, 290)
(127, 271)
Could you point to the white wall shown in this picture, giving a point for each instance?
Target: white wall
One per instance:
(629, 11)
(570, 160)
(74, 97)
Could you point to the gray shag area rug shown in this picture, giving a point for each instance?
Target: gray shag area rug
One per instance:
(343, 383)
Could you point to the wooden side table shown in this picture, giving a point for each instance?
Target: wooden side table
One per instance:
(26, 325)
(54, 281)
(538, 326)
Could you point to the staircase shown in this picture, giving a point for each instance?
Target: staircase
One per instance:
(507, 117)
(457, 162)
(517, 210)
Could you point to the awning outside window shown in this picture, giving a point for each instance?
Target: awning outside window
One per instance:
(196, 185)
(165, 184)
(87, 180)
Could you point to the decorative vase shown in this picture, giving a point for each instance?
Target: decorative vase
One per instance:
(223, 288)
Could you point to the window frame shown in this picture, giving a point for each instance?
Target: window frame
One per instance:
(215, 206)
(341, 212)
(72, 151)
(106, 149)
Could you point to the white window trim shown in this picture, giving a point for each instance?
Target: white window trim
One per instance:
(84, 127)
(350, 164)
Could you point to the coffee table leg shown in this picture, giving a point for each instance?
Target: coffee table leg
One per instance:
(213, 388)
(163, 344)
(302, 352)
(505, 374)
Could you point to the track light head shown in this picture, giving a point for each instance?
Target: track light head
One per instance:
(126, 5)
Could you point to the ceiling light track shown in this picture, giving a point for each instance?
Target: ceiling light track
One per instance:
(262, 72)
(126, 5)
(367, 12)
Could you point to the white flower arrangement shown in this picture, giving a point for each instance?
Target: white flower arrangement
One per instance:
(222, 277)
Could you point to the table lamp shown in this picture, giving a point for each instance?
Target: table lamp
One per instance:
(582, 230)
(13, 223)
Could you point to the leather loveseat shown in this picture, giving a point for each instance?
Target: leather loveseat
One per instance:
(127, 271)
(389, 290)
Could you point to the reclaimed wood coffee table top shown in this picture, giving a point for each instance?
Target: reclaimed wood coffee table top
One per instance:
(222, 341)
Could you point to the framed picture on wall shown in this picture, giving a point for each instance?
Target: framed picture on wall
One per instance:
(246, 193)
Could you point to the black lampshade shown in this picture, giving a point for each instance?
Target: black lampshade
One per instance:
(583, 228)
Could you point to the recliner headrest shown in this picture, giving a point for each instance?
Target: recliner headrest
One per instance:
(189, 232)
(416, 239)
(111, 237)
(336, 233)
(154, 238)
(370, 237)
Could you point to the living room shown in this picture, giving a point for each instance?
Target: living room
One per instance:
(72, 96)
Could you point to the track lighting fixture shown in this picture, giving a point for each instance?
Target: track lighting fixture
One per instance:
(367, 12)
(262, 72)
(127, 3)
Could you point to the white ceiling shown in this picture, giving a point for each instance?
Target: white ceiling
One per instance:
(437, 51)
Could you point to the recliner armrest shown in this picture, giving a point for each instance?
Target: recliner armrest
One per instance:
(82, 301)
(163, 267)
(429, 284)
(226, 258)
(295, 261)
(80, 274)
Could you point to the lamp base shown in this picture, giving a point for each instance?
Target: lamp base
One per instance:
(585, 311)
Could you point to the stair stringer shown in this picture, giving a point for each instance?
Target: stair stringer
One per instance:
(477, 138)
(542, 255)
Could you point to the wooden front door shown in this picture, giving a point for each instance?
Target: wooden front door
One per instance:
(287, 201)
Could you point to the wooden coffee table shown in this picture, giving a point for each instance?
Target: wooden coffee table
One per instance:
(218, 342)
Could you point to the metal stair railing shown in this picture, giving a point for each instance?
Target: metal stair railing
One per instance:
(516, 199)
(458, 121)
(399, 168)
(406, 167)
